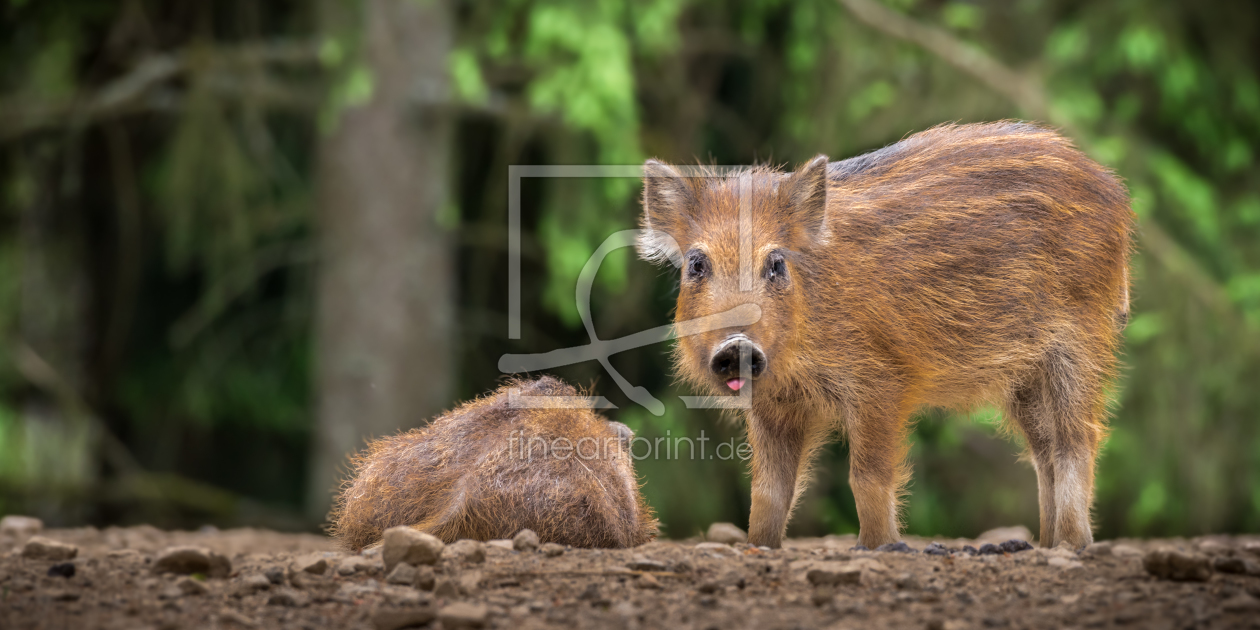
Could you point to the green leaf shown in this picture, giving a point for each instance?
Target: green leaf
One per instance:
(962, 16)
(1247, 97)
(52, 71)
(1191, 194)
(1068, 44)
(1142, 46)
(1247, 209)
(1150, 505)
(1144, 327)
(331, 52)
(1079, 103)
(1237, 155)
(1180, 80)
(466, 77)
(1142, 199)
(656, 25)
(872, 98)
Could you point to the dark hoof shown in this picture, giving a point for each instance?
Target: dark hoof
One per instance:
(899, 547)
(936, 549)
(1014, 546)
(859, 548)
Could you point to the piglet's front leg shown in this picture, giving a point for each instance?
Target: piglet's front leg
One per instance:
(779, 448)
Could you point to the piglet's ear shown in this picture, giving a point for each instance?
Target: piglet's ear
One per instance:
(667, 198)
(807, 190)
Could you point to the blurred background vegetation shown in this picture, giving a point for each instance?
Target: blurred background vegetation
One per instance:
(237, 238)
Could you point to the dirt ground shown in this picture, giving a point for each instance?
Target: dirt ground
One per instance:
(280, 580)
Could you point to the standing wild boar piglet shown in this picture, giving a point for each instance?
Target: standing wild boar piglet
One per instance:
(964, 265)
(487, 470)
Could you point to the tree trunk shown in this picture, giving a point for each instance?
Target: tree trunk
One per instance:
(385, 303)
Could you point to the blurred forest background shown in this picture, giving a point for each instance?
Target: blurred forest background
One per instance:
(237, 237)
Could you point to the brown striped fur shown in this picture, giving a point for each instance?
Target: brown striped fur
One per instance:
(475, 473)
(965, 265)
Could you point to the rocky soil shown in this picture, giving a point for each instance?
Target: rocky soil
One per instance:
(142, 577)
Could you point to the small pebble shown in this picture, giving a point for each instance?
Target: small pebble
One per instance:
(354, 564)
(189, 586)
(404, 544)
(1098, 549)
(1236, 565)
(726, 533)
(646, 581)
(39, 548)
(1058, 552)
(1170, 564)
(229, 616)
(907, 582)
(642, 563)
(525, 540)
(16, 525)
(396, 618)
(832, 573)
(445, 588)
(999, 534)
(312, 563)
(253, 583)
(717, 549)
(170, 592)
(463, 615)
(424, 578)
(288, 598)
(552, 550)
(1213, 547)
(1241, 604)
(64, 596)
(189, 560)
(403, 573)
(469, 551)
(125, 555)
(1126, 551)
(1065, 564)
(275, 574)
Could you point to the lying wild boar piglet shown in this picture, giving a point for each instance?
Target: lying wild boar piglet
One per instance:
(487, 470)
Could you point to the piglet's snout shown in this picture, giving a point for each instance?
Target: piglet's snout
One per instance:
(736, 359)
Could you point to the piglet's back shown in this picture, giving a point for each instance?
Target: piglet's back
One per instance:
(486, 470)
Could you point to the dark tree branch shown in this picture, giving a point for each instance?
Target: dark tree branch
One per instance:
(146, 87)
(1025, 91)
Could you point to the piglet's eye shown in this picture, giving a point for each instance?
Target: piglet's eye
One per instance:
(776, 268)
(697, 265)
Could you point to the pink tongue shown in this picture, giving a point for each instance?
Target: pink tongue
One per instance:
(735, 383)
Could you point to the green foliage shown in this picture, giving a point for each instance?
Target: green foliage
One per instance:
(466, 77)
(582, 58)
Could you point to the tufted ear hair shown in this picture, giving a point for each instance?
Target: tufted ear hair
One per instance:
(807, 199)
(667, 198)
